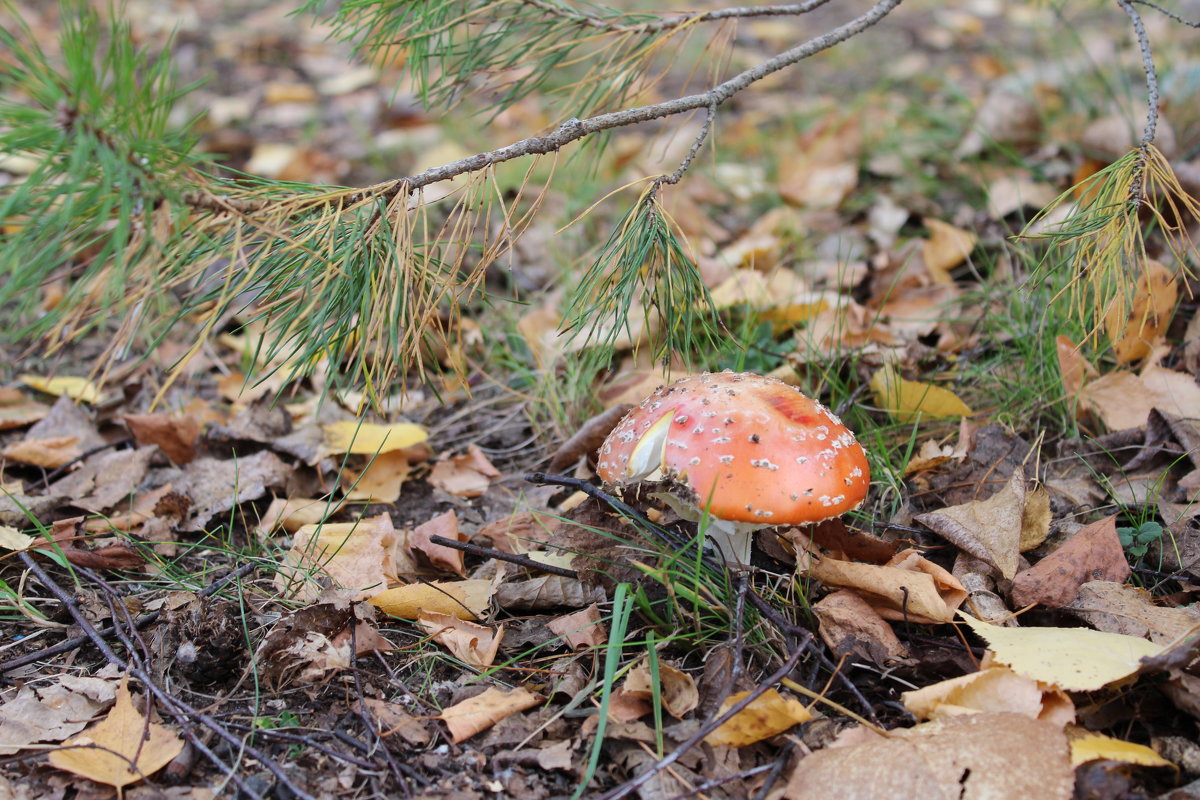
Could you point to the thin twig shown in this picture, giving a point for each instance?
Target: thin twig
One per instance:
(654, 26)
(500, 555)
(1167, 13)
(1143, 40)
(707, 728)
(675, 176)
(141, 622)
(178, 709)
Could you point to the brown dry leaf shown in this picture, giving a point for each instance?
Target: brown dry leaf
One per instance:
(17, 411)
(313, 641)
(175, 434)
(381, 480)
(905, 399)
(52, 713)
(1123, 400)
(394, 720)
(294, 513)
(993, 689)
(1150, 313)
(850, 626)
(547, 592)
(359, 556)
(466, 475)
(1035, 518)
(767, 715)
(931, 455)
(973, 757)
(908, 588)
(988, 529)
(1006, 116)
(122, 748)
(481, 712)
(440, 556)
(1075, 659)
(462, 599)
(1076, 370)
(1130, 610)
(946, 248)
(64, 386)
(474, 645)
(1092, 553)
(105, 479)
(581, 630)
(216, 486)
(520, 532)
(49, 453)
(677, 689)
(1016, 192)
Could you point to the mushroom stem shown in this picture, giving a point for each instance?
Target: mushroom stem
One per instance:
(734, 540)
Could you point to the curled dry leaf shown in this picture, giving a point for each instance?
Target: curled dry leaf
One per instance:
(993, 689)
(440, 556)
(1092, 553)
(1124, 400)
(466, 475)
(547, 592)
(1076, 370)
(462, 599)
(50, 453)
(474, 645)
(850, 626)
(1134, 334)
(677, 689)
(175, 434)
(909, 588)
(122, 748)
(988, 529)
(1088, 746)
(972, 757)
(581, 630)
(360, 556)
(294, 513)
(1130, 610)
(768, 714)
(482, 711)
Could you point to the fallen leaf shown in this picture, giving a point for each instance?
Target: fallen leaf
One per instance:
(380, 481)
(972, 757)
(17, 411)
(394, 720)
(174, 434)
(1094, 746)
(1075, 659)
(462, 599)
(1093, 553)
(13, 539)
(368, 438)
(294, 513)
(47, 453)
(677, 689)
(1135, 333)
(988, 529)
(905, 399)
(581, 630)
(64, 386)
(767, 715)
(53, 712)
(466, 475)
(1123, 400)
(850, 626)
(909, 588)
(481, 712)
(993, 689)
(946, 248)
(1132, 611)
(439, 555)
(359, 556)
(122, 748)
(1076, 370)
(1007, 117)
(474, 645)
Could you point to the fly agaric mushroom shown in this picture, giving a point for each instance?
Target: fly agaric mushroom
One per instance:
(753, 451)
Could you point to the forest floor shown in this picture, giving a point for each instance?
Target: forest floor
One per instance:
(220, 586)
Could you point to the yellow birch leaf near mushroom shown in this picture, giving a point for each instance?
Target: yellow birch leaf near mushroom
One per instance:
(120, 749)
(1087, 746)
(768, 714)
(1075, 659)
(368, 438)
(905, 399)
(74, 388)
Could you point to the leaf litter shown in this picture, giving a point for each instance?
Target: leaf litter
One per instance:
(447, 666)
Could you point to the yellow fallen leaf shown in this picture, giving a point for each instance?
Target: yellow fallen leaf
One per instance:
(120, 749)
(360, 556)
(946, 248)
(474, 645)
(1153, 304)
(905, 399)
(770, 713)
(13, 539)
(1095, 746)
(369, 438)
(462, 599)
(993, 689)
(1075, 659)
(74, 388)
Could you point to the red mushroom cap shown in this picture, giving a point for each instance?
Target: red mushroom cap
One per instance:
(749, 448)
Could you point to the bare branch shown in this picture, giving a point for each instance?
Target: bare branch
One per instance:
(677, 175)
(1166, 12)
(600, 23)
